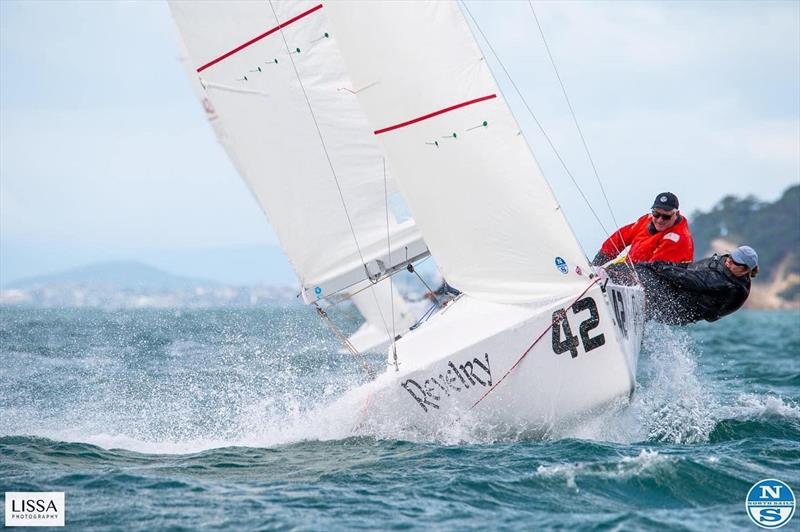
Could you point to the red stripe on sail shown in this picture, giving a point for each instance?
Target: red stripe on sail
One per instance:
(256, 39)
(435, 113)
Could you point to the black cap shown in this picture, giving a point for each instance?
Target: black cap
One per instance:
(666, 201)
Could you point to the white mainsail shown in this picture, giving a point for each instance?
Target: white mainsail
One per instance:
(287, 114)
(448, 133)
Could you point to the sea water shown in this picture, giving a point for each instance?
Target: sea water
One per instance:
(191, 419)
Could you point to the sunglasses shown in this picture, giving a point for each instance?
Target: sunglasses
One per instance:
(739, 264)
(658, 215)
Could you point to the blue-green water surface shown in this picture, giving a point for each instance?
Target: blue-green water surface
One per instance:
(166, 419)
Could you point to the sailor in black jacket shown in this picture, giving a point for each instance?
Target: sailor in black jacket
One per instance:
(707, 289)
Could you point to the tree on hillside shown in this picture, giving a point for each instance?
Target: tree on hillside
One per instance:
(773, 229)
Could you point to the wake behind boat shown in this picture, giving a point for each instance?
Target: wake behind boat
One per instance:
(337, 120)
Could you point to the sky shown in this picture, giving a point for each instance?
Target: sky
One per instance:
(105, 153)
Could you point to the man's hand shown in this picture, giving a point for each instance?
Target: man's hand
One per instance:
(600, 272)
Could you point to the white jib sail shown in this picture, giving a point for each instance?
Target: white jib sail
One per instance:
(288, 116)
(457, 154)
(386, 313)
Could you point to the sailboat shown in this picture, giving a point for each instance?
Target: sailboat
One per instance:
(335, 113)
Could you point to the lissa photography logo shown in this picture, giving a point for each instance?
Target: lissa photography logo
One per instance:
(770, 503)
(34, 508)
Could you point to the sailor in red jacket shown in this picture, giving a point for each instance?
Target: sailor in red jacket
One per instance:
(662, 235)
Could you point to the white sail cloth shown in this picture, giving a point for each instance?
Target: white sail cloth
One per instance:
(457, 154)
(386, 313)
(287, 114)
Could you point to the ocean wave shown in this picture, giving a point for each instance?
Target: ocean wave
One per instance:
(751, 406)
(219, 384)
(676, 403)
(757, 416)
(648, 463)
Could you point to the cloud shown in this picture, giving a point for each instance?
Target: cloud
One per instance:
(771, 141)
(122, 177)
(694, 97)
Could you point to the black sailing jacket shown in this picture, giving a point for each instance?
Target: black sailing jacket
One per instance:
(685, 293)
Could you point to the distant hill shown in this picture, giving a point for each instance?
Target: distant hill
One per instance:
(120, 275)
(772, 229)
(235, 264)
(127, 284)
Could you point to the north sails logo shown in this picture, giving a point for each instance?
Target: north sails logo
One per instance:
(34, 508)
(454, 379)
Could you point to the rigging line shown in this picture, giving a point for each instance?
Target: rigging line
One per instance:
(372, 289)
(519, 127)
(521, 358)
(574, 118)
(583, 140)
(431, 292)
(389, 250)
(327, 156)
(350, 347)
(319, 133)
(424, 317)
(535, 119)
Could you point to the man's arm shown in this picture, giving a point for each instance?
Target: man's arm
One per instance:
(614, 244)
(681, 277)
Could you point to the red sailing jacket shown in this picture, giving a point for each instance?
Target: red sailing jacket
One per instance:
(647, 245)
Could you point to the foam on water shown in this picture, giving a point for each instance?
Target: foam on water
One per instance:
(254, 391)
(264, 426)
(712, 415)
(675, 404)
(750, 406)
(647, 463)
(671, 403)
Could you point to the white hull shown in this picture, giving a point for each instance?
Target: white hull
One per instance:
(452, 361)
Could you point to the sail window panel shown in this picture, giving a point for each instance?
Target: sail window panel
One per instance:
(317, 192)
(380, 304)
(398, 208)
(456, 152)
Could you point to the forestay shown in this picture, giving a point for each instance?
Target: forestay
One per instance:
(457, 154)
(386, 313)
(287, 114)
